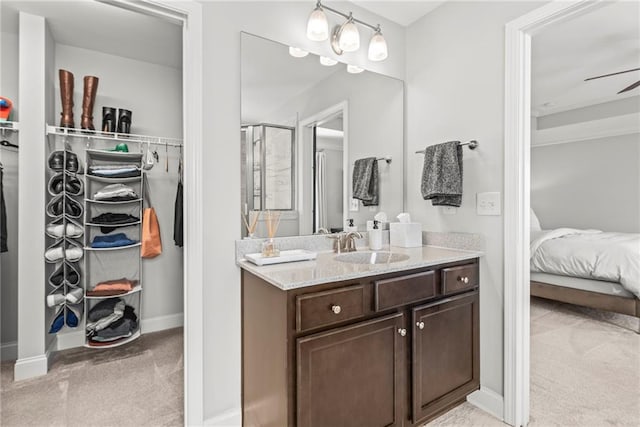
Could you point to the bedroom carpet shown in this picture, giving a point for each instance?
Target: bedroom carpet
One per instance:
(585, 370)
(139, 384)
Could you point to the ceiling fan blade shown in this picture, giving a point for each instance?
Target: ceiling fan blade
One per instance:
(628, 88)
(612, 74)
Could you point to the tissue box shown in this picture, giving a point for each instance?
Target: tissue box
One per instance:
(405, 234)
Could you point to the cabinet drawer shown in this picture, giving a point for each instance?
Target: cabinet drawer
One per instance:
(460, 278)
(328, 307)
(404, 290)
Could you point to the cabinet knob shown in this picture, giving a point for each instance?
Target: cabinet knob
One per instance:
(402, 332)
(420, 325)
(463, 279)
(336, 309)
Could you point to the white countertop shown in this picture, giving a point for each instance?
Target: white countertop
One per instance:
(326, 269)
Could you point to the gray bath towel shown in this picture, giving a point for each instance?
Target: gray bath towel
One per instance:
(442, 174)
(365, 181)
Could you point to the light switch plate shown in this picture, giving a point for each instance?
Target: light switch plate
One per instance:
(488, 203)
(354, 206)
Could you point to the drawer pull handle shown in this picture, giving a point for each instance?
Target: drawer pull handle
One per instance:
(402, 332)
(463, 279)
(336, 309)
(420, 325)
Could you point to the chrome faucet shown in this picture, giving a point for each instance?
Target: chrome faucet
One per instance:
(345, 242)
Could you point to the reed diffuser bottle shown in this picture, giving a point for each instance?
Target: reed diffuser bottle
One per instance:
(269, 247)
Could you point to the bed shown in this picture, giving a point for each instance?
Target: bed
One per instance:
(590, 268)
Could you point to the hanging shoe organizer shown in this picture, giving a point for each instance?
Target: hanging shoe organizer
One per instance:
(64, 226)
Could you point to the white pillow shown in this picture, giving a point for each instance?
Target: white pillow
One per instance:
(534, 222)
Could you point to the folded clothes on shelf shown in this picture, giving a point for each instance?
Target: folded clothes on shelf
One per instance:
(112, 241)
(121, 328)
(115, 192)
(121, 170)
(112, 287)
(111, 320)
(105, 313)
(113, 220)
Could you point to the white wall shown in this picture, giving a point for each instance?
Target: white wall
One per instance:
(588, 184)
(455, 91)
(223, 21)
(9, 159)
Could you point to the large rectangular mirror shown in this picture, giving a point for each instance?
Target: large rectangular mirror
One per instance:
(304, 127)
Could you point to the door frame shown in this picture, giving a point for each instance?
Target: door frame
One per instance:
(517, 145)
(304, 202)
(188, 13)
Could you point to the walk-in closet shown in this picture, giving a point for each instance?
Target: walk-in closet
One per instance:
(92, 164)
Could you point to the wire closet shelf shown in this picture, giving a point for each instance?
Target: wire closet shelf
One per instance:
(90, 135)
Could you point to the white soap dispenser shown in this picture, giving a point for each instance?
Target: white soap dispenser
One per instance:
(350, 226)
(375, 237)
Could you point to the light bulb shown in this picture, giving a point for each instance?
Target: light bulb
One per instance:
(349, 36)
(327, 61)
(318, 26)
(296, 52)
(378, 47)
(354, 69)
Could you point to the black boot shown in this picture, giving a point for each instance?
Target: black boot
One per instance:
(108, 119)
(124, 121)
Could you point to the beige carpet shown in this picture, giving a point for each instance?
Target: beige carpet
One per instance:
(134, 385)
(585, 370)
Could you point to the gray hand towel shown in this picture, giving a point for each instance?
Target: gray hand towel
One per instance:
(365, 181)
(442, 174)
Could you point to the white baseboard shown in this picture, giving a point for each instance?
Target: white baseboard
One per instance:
(9, 351)
(230, 418)
(160, 323)
(489, 401)
(30, 367)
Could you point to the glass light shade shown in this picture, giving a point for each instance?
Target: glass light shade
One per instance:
(349, 37)
(327, 61)
(378, 48)
(354, 69)
(296, 52)
(317, 26)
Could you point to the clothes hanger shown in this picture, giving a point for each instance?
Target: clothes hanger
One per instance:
(180, 166)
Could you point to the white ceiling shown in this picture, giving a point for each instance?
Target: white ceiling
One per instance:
(105, 28)
(404, 13)
(603, 41)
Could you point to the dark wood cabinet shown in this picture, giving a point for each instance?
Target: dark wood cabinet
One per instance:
(352, 375)
(445, 362)
(394, 349)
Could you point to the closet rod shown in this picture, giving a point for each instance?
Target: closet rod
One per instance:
(473, 144)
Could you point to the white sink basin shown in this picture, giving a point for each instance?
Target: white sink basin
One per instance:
(371, 257)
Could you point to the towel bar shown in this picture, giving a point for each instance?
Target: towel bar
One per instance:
(473, 144)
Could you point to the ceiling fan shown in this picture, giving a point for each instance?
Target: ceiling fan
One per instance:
(626, 89)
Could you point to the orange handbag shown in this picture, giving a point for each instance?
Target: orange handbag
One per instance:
(151, 241)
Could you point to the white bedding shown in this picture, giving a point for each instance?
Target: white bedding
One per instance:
(590, 254)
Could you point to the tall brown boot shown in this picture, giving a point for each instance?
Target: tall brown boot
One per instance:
(88, 99)
(66, 94)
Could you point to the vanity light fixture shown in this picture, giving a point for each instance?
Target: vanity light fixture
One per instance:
(296, 52)
(354, 69)
(327, 61)
(345, 37)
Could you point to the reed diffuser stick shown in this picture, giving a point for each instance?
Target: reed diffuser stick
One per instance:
(251, 228)
(273, 221)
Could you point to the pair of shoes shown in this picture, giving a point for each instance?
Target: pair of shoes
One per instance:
(74, 296)
(59, 230)
(63, 250)
(57, 161)
(73, 185)
(62, 204)
(88, 100)
(65, 272)
(109, 120)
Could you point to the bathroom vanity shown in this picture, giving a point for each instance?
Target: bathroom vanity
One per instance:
(328, 343)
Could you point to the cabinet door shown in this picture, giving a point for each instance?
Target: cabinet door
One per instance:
(445, 359)
(351, 376)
